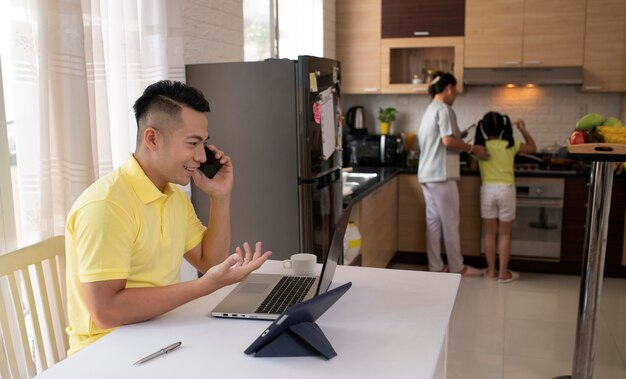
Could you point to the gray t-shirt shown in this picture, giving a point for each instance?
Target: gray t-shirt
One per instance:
(437, 164)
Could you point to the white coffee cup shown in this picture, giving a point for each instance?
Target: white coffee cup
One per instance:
(301, 264)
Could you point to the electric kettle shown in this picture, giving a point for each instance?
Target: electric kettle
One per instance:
(355, 118)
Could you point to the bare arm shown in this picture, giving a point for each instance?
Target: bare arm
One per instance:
(453, 143)
(111, 304)
(216, 241)
(529, 146)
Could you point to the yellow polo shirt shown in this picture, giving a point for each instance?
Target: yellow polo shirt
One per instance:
(124, 227)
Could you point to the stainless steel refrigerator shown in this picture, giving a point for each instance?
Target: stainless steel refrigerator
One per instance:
(265, 116)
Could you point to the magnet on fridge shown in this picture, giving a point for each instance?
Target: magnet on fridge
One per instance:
(317, 113)
(313, 82)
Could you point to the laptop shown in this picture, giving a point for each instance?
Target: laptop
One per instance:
(266, 296)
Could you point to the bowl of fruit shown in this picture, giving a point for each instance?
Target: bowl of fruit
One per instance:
(596, 134)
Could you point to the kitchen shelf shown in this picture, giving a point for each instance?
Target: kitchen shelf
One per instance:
(401, 58)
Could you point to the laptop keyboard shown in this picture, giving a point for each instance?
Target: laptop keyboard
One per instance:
(288, 291)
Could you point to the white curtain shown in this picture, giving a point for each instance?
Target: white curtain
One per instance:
(78, 66)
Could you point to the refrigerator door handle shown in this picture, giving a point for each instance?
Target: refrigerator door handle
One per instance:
(324, 180)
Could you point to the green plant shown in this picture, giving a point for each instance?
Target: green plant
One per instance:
(387, 114)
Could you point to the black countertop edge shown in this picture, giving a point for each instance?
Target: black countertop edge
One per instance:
(597, 157)
(386, 173)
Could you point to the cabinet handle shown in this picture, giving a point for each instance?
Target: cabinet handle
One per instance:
(420, 89)
(421, 33)
(533, 63)
(511, 63)
(593, 88)
(370, 89)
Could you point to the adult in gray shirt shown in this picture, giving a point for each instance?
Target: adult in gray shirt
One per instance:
(438, 174)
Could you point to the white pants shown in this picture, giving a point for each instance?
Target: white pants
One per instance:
(442, 218)
(498, 201)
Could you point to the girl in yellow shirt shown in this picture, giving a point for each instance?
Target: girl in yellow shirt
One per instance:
(497, 191)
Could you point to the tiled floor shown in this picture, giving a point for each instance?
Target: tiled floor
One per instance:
(526, 329)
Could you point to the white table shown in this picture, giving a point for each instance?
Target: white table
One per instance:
(390, 324)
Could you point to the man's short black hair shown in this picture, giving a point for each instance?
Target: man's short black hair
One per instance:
(169, 96)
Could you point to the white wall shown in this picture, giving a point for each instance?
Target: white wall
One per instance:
(329, 29)
(550, 112)
(213, 31)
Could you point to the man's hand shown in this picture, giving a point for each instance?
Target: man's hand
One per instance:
(480, 152)
(454, 143)
(222, 183)
(236, 267)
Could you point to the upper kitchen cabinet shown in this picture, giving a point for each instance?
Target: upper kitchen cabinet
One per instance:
(524, 33)
(358, 45)
(605, 46)
(417, 18)
(402, 59)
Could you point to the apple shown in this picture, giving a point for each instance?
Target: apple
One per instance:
(578, 136)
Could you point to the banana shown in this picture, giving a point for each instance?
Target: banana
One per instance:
(611, 134)
(611, 129)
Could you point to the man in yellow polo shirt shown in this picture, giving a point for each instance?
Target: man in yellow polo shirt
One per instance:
(127, 234)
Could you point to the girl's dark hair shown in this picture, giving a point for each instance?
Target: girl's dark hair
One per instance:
(169, 96)
(439, 82)
(494, 124)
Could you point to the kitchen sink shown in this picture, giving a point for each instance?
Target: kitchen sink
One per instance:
(353, 180)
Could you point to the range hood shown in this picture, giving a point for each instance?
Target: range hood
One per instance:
(554, 76)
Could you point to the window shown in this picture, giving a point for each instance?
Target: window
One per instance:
(300, 24)
(257, 30)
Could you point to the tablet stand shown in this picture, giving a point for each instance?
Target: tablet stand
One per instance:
(303, 339)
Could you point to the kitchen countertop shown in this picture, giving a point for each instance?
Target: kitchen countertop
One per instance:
(385, 173)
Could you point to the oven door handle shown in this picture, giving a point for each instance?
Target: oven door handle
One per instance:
(539, 203)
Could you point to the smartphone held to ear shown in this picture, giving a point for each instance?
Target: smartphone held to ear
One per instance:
(212, 164)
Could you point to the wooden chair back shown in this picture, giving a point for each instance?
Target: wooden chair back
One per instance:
(33, 315)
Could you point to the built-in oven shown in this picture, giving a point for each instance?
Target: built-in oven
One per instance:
(536, 231)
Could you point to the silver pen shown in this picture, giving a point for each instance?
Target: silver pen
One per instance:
(163, 351)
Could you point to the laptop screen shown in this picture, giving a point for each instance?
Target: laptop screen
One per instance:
(335, 251)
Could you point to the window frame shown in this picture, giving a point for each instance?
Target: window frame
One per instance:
(8, 232)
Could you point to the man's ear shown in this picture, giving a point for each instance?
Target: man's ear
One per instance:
(150, 137)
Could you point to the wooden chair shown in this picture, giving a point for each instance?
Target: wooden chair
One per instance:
(33, 313)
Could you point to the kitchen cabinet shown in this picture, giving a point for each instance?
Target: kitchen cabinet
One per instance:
(401, 58)
(358, 45)
(605, 46)
(469, 208)
(524, 33)
(412, 18)
(575, 217)
(370, 64)
(412, 215)
(378, 225)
